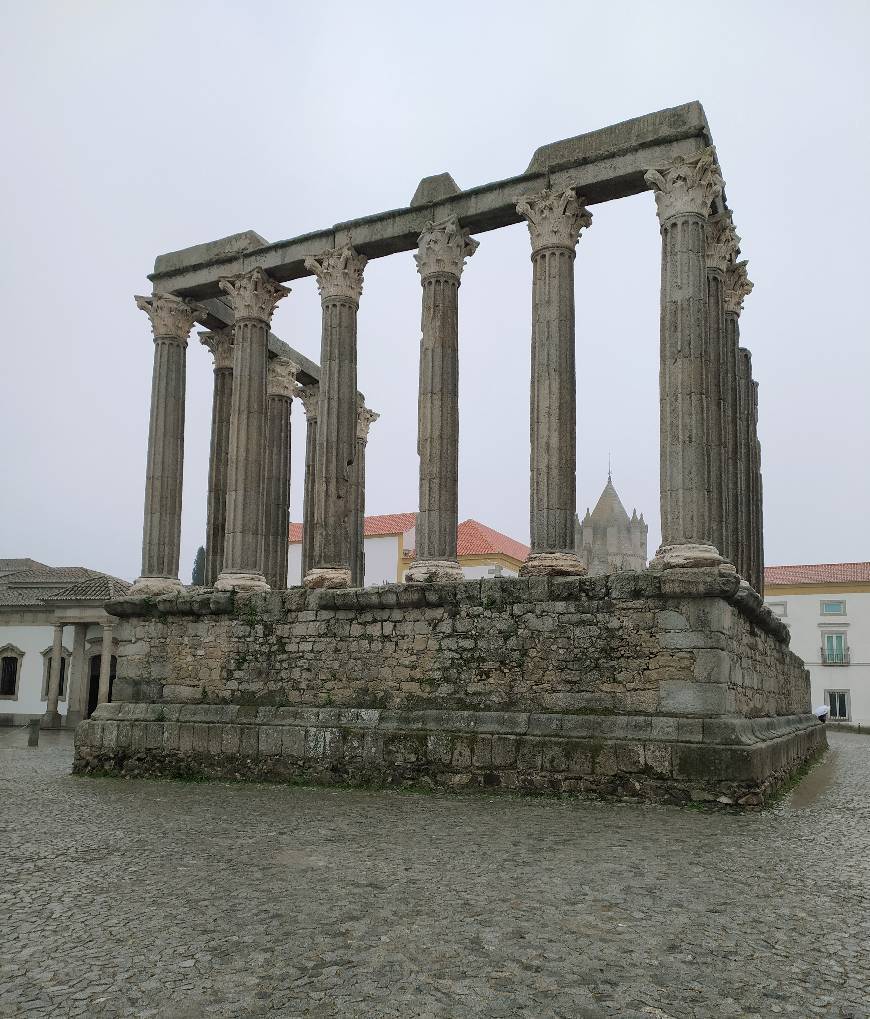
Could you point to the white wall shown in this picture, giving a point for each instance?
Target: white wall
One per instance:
(485, 571)
(294, 565)
(807, 624)
(382, 559)
(32, 640)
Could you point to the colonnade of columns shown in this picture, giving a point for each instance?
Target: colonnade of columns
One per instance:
(710, 455)
(77, 687)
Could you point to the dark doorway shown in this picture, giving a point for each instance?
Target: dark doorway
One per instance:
(94, 682)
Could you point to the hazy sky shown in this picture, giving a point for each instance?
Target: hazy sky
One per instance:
(130, 129)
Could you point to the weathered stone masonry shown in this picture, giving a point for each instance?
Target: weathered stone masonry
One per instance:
(669, 685)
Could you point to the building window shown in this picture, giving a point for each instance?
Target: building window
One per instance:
(778, 608)
(833, 608)
(838, 703)
(10, 671)
(46, 673)
(835, 651)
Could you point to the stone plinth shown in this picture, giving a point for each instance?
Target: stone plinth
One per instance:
(670, 685)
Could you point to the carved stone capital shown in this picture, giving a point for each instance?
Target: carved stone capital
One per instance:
(443, 248)
(220, 343)
(687, 185)
(253, 294)
(555, 218)
(171, 317)
(339, 274)
(281, 377)
(738, 286)
(723, 244)
(365, 418)
(310, 396)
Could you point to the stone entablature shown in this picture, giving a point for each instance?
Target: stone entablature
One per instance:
(627, 670)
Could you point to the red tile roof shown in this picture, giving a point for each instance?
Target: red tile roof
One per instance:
(819, 573)
(474, 538)
(376, 526)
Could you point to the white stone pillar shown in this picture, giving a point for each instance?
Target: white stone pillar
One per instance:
(555, 221)
(220, 343)
(171, 322)
(105, 664)
(308, 395)
(365, 419)
(280, 386)
(684, 192)
(252, 297)
(339, 279)
(441, 254)
(51, 718)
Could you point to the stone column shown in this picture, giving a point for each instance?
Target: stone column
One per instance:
(77, 686)
(684, 191)
(756, 567)
(220, 343)
(744, 463)
(253, 297)
(722, 246)
(171, 322)
(309, 395)
(51, 718)
(737, 287)
(555, 221)
(365, 419)
(339, 279)
(280, 386)
(105, 664)
(441, 254)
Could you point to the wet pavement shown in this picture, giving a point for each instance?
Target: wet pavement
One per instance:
(173, 899)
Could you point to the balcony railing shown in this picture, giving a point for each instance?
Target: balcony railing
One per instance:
(835, 657)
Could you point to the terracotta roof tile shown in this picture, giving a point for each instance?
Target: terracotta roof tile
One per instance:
(375, 526)
(475, 538)
(818, 573)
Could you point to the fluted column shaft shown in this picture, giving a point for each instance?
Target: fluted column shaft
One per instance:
(744, 466)
(309, 396)
(442, 250)
(339, 278)
(684, 192)
(280, 385)
(253, 297)
(104, 688)
(365, 418)
(51, 718)
(731, 431)
(171, 321)
(715, 371)
(756, 570)
(555, 222)
(221, 345)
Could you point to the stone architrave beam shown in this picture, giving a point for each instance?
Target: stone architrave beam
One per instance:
(602, 165)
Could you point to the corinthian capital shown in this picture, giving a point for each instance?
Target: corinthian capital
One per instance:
(281, 377)
(365, 418)
(171, 317)
(309, 395)
(687, 185)
(339, 274)
(253, 294)
(723, 244)
(555, 219)
(738, 286)
(220, 343)
(443, 248)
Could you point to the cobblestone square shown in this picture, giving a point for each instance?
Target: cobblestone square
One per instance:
(170, 899)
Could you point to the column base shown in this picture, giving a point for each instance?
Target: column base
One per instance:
(250, 583)
(553, 564)
(435, 571)
(156, 586)
(51, 720)
(687, 556)
(326, 577)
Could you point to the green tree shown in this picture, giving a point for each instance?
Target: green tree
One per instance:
(198, 577)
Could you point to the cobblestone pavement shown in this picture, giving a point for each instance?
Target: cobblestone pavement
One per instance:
(174, 900)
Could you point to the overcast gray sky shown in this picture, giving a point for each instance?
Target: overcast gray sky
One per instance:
(130, 129)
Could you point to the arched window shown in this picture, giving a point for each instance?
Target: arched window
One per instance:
(10, 671)
(46, 672)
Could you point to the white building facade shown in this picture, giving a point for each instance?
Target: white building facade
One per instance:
(827, 609)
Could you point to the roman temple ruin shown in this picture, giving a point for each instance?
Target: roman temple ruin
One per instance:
(673, 682)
